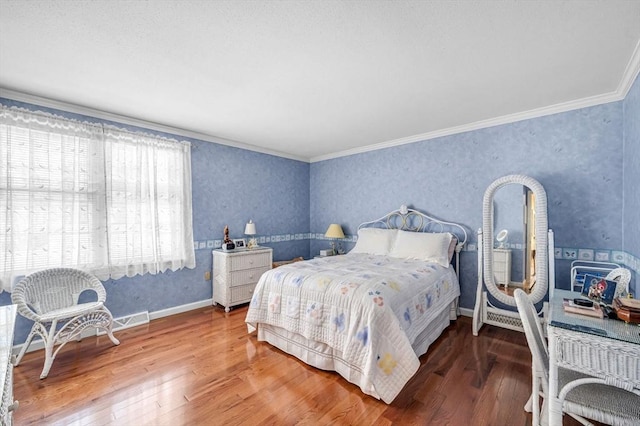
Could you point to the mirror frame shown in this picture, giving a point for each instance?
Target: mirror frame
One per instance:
(541, 228)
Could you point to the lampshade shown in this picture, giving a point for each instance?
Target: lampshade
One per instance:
(250, 228)
(334, 231)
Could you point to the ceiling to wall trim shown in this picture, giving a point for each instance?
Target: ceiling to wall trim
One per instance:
(104, 115)
(631, 72)
(319, 80)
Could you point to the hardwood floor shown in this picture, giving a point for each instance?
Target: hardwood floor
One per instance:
(202, 368)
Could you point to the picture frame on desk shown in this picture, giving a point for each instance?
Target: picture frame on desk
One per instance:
(599, 289)
(240, 243)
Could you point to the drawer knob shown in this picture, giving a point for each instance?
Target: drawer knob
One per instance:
(251, 276)
(251, 262)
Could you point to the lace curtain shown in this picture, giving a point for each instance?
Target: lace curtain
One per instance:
(93, 197)
(148, 199)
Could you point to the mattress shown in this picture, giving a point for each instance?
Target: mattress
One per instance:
(364, 316)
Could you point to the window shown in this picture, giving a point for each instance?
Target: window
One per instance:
(90, 196)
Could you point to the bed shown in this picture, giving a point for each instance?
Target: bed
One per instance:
(369, 314)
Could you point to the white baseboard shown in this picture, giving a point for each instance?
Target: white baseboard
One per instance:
(123, 323)
(180, 309)
(128, 321)
(36, 345)
(466, 312)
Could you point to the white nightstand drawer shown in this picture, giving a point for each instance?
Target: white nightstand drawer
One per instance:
(242, 293)
(250, 261)
(248, 276)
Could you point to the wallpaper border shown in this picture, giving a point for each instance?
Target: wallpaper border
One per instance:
(561, 253)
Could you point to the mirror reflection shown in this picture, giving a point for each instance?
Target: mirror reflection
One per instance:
(514, 239)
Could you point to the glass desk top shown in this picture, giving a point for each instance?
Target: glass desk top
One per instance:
(605, 327)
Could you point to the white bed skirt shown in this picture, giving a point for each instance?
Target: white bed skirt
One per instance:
(324, 357)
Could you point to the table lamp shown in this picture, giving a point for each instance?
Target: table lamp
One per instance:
(334, 231)
(250, 230)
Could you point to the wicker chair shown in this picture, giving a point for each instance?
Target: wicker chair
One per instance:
(50, 299)
(589, 398)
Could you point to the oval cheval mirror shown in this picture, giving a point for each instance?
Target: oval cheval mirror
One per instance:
(518, 255)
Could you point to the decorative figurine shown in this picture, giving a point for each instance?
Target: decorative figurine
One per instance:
(227, 244)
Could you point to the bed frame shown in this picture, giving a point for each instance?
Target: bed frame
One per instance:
(407, 219)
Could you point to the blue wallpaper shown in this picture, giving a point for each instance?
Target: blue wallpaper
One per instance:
(631, 168)
(230, 186)
(575, 155)
(586, 160)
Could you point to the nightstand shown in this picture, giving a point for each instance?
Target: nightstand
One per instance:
(236, 273)
(502, 266)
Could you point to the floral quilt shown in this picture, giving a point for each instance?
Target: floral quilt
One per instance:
(369, 308)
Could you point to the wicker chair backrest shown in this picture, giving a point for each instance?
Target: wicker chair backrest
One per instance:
(51, 289)
(533, 332)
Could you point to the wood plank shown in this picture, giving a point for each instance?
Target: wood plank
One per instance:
(201, 367)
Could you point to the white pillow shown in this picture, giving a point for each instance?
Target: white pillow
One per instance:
(430, 247)
(375, 241)
(452, 247)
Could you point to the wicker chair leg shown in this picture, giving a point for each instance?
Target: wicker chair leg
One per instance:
(48, 360)
(528, 405)
(112, 337)
(25, 345)
(109, 327)
(535, 394)
(544, 413)
(49, 356)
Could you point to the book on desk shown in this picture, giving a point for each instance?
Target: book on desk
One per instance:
(627, 310)
(594, 310)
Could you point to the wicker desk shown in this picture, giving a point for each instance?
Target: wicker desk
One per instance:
(604, 348)
(7, 404)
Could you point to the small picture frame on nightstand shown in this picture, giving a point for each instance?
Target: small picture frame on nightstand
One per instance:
(240, 243)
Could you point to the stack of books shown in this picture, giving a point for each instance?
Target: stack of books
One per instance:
(594, 311)
(628, 310)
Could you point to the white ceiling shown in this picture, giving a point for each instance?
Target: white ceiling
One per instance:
(316, 79)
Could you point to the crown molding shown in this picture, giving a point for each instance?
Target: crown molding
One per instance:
(630, 73)
(628, 78)
(103, 115)
(483, 124)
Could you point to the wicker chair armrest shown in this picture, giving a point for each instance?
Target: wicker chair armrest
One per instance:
(19, 299)
(27, 312)
(99, 289)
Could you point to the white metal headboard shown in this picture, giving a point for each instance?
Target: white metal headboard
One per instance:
(408, 219)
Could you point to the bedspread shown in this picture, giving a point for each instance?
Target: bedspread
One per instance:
(368, 308)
